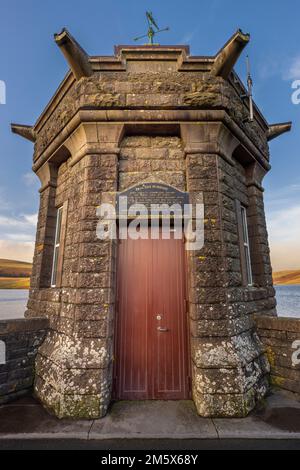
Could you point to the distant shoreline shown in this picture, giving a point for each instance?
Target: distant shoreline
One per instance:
(16, 283)
(16, 275)
(10, 267)
(287, 278)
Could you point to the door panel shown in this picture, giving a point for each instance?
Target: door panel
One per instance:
(151, 363)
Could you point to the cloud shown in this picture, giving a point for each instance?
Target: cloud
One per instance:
(189, 36)
(17, 251)
(283, 197)
(30, 179)
(4, 204)
(286, 68)
(270, 67)
(31, 219)
(293, 69)
(20, 222)
(285, 256)
(2, 92)
(20, 237)
(283, 220)
(210, 17)
(284, 225)
(17, 231)
(17, 235)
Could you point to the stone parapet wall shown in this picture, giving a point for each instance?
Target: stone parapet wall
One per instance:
(19, 342)
(281, 338)
(160, 90)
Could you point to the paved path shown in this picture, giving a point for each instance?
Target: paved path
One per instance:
(148, 425)
(150, 444)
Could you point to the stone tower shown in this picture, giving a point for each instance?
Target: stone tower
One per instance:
(151, 114)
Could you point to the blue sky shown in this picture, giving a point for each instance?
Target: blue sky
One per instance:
(32, 68)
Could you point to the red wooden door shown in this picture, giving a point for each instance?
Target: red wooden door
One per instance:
(151, 332)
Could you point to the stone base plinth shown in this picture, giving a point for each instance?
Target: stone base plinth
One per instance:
(230, 376)
(74, 376)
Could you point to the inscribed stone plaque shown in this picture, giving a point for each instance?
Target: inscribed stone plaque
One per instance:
(153, 193)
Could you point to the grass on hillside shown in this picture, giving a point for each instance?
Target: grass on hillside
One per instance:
(287, 278)
(14, 282)
(11, 268)
(14, 274)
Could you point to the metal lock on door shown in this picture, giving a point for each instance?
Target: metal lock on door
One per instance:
(160, 328)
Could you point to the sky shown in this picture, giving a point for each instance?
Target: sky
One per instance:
(32, 67)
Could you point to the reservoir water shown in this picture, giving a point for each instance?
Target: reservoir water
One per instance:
(13, 302)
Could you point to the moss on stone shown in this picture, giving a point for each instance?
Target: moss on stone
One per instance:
(277, 381)
(82, 407)
(271, 356)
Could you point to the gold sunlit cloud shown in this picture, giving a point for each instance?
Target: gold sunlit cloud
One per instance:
(21, 251)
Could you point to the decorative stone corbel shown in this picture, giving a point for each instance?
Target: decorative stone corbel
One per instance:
(94, 138)
(75, 55)
(209, 138)
(24, 131)
(255, 174)
(275, 130)
(47, 175)
(229, 54)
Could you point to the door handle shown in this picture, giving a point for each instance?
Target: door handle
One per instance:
(162, 330)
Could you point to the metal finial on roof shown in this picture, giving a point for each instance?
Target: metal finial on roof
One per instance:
(153, 29)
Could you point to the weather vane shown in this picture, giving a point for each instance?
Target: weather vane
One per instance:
(152, 30)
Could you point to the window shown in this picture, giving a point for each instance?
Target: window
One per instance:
(246, 246)
(56, 246)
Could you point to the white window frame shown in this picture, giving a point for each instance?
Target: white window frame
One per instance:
(246, 245)
(56, 246)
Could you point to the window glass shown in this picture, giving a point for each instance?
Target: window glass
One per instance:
(246, 246)
(56, 246)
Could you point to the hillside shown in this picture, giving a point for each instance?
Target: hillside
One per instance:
(287, 278)
(11, 268)
(14, 274)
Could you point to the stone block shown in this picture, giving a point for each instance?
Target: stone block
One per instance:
(77, 352)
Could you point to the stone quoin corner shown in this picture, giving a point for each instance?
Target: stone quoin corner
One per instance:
(146, 319)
